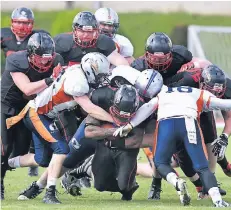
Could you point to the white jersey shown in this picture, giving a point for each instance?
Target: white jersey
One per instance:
(59, 95)
(123, 45)
(180, 102)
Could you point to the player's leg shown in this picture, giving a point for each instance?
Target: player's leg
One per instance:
(208, 127)
(195, 147)
(104, 169)
(126, 165)
(167, 135)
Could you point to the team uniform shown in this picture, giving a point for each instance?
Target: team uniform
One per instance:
(123, 45)
(43, 114)
(13, 100)
(178, 124)
(180, 56)
(73, 53)
(10, 43)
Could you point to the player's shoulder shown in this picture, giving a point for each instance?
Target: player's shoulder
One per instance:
(182, 51)
(17, 62)
(6, 32)
(64, 41)
(122, 39)
(139, 64)
(75, 82)
(227, 94)
(40, 31)
(104, 41)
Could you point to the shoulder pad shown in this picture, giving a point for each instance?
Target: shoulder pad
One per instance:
(58, 59)
(63, 42)
(126, 48)
(228, 89)
(6, 32)
(17, 62)
(75, 83)
(139, 64)
(105, 43)
(183, 52)
(40, 30)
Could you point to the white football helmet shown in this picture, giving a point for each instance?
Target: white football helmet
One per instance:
(95, 67)
(149, 83)
(107, 17)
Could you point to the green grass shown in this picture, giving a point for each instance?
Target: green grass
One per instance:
(18, 180)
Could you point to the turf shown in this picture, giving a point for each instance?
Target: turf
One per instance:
(18, 180)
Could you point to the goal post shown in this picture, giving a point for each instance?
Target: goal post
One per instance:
(214, 44)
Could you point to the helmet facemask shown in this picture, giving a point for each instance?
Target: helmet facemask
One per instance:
(216, 89)
(22, 27)
(41, 63)
(108, 29)
(85, 36)
(158, 61)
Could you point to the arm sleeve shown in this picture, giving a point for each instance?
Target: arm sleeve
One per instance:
(144, 112)
(215, 103)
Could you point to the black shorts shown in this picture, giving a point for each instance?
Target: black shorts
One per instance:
(208, 127)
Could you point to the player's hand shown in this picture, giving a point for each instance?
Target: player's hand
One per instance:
(57, 69)
(220, 144)
(123, 130)
(186, 67)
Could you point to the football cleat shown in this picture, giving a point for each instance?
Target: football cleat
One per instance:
(31, 192)
(50, 196)
(221, 203)
(183, 192)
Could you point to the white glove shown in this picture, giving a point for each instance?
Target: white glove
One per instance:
(123, 130)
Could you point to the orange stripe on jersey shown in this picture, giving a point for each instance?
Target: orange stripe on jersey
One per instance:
(41, 129)
(203, 141)
(200, 103)
(118, 47)
(59, 98)
(148, 153)
(208, 102)
(155, 139)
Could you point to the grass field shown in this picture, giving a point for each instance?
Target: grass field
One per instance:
(17, 180)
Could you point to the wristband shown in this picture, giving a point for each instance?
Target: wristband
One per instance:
(49, 81)
(226, 135)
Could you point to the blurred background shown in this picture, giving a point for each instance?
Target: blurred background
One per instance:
(139, 19)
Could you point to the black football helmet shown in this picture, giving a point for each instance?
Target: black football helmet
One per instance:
(158, 51)
(41, 51)
(125, 105)
(22, 21)
(85, 29)
(213, 79)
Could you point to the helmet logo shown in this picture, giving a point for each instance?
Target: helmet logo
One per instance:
(35, 43)
(95, 66)
(87, 28)
(208, 77)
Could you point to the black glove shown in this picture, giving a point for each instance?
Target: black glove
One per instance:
(220, 144)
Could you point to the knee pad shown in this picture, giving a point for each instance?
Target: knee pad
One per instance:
(42, 161)
(164, 169)
(207, 178)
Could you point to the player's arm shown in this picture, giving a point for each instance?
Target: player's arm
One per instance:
(94, 131)
(227, 119)
(116, 59)
(92, 109)
(142, 114)
(26, 86)
(214, 103)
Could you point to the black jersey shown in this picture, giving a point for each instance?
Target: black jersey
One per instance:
(192, 79)
(72, 53)
(180, 54)
(10, 43)
(11, 95)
